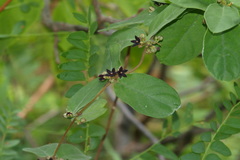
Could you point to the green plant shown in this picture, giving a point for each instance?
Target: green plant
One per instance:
(175, 32)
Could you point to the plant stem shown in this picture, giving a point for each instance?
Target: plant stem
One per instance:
(139, 64)
(78, 114)
(59, 144)
(5, 5)
(107, 128)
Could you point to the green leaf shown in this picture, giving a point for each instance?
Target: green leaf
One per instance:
(73, 66)
(220, 148)
(221, 54)
(175, 121)
(145, 17)
(66, 151)
(18, 27)
(220, 18)
(116, 43)
(198, 147)
(93, 28)
(213, 125)
(237, 89)
(219, 114)
(77, 36)
(181, 41)
(147, 156)
(233, 98)
(94, 142)
(73, 90)
(96, 130)
(191, 156)
(11, 143)
(75, 54)
(227, 104)
(169, 14)
(206, 136)
(77, 137)
(164, 151)
(198, 4)
(212, 157)
(188, 114)
(80, 17)
(84, 95)
(94, 111)
(236, 2)
(71, 76)
(148, 95)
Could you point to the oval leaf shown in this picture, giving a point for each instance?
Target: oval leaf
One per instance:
(221, 54)
(75, 54)
(84, 95)
(221, 148)
(198, 4)
(166, 16)
(71, 76)
(221, 18)
(148, 95)
(66, 151)
(73, 66)
(94, 111)
(212, 157)
(181, 41)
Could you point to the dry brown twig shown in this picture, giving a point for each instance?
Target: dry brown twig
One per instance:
(5, 5)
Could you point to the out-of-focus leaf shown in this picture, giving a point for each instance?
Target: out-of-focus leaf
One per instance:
(71, 76)
(73, 90)
(221, 148)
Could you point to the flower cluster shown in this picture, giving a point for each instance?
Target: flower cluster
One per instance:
(152, 45)
(113, 74)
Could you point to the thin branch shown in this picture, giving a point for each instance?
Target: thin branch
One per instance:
(131, 117)
(43, 88)
(139, 64)
(5, 5)
(107, 128)
(127, 57)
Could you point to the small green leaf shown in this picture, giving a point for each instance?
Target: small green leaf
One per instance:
(80, 17)
(77, 137)
(191, 156)
(188, 114)
(96, 130)
(206, 136)
(237, 89)
(77, 36)
(73, 90)
(212, 157)
(198, 4)
(221, 56)
(73, 66)
(229, 130)
(18, 27)
(11, 143)
(213, 125)
(175, 121)
(236, 2)
(75, 54)
(148, 95)
(227, 104)
(93, 28)
(221, 148)
(220, 136)
(66, 151)
(142, 18)
(169, 14)
(219, 114)
(233, 98)
(220, 18)
(164, 151)
(94, 111)
(25, 7)
(198, 147)
(94, 142)
(147, 155)
(71, 76)
(84, 95)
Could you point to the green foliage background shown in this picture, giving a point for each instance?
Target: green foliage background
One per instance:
(28, 59)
